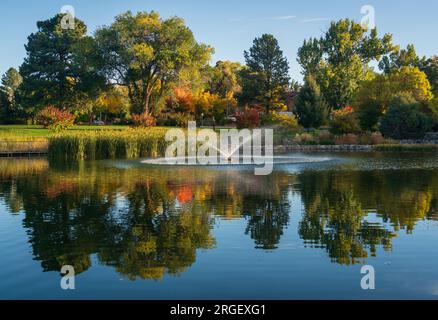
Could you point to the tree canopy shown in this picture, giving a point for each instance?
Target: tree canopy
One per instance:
(430, 68)
(374, 96)
(340, 59)
(400, 58)
(224, 78)
(60, 66)
(266, 76)
(146, 53)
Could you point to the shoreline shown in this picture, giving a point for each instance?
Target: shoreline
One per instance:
(29, 151)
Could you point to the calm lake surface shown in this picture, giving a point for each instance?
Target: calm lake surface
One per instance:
(136, 231)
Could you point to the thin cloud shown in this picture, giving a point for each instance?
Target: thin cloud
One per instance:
(290, 17)
(313, 20)
(284, 18)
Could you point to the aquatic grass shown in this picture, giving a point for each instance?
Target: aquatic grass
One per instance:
(129, 144)
(407, 147)
(11, 143)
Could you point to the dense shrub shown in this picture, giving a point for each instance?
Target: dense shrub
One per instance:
(433, 111)
(181, 119)
(305, 138)
(374, 138)
(404, 121)
(285, 126)
(285, 121)
(55, 119)
(347, 139)
(344, 121)
(144, 120)
(377, 138)
(326, 138)
(248, 118)
(369, 116)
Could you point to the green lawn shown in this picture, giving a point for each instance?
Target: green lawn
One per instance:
(8, 131)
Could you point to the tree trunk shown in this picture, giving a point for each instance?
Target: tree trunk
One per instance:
(147, 102)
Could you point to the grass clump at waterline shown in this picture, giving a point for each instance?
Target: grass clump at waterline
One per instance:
(91, 145)
(11, 143)
(407, 147)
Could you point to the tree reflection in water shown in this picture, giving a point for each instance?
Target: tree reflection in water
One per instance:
(150, 222)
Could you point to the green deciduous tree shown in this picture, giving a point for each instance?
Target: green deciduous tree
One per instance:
(224, 78)
(373, 98)
(310, 107)
(112, 102)
(340, 59)
(147, 54)
(265, 78)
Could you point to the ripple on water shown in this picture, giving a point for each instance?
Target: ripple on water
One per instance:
(242, 161)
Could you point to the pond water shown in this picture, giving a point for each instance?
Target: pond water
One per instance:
(133, 230)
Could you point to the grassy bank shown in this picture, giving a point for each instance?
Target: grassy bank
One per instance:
(110, 142)
(129, 143)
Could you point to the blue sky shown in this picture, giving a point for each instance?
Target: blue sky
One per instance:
(231, 25)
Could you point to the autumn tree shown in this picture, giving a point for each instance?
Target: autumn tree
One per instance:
(374, 96)
(111, 102)
(181, 100)
(146, 54)
(224, 78)
(408, 57)
(265, 78)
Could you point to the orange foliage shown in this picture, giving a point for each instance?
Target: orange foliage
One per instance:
(184, 194)
(182, 101)
(144, 120)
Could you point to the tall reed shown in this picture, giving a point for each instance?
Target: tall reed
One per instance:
(13, 143)
(130, 143)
